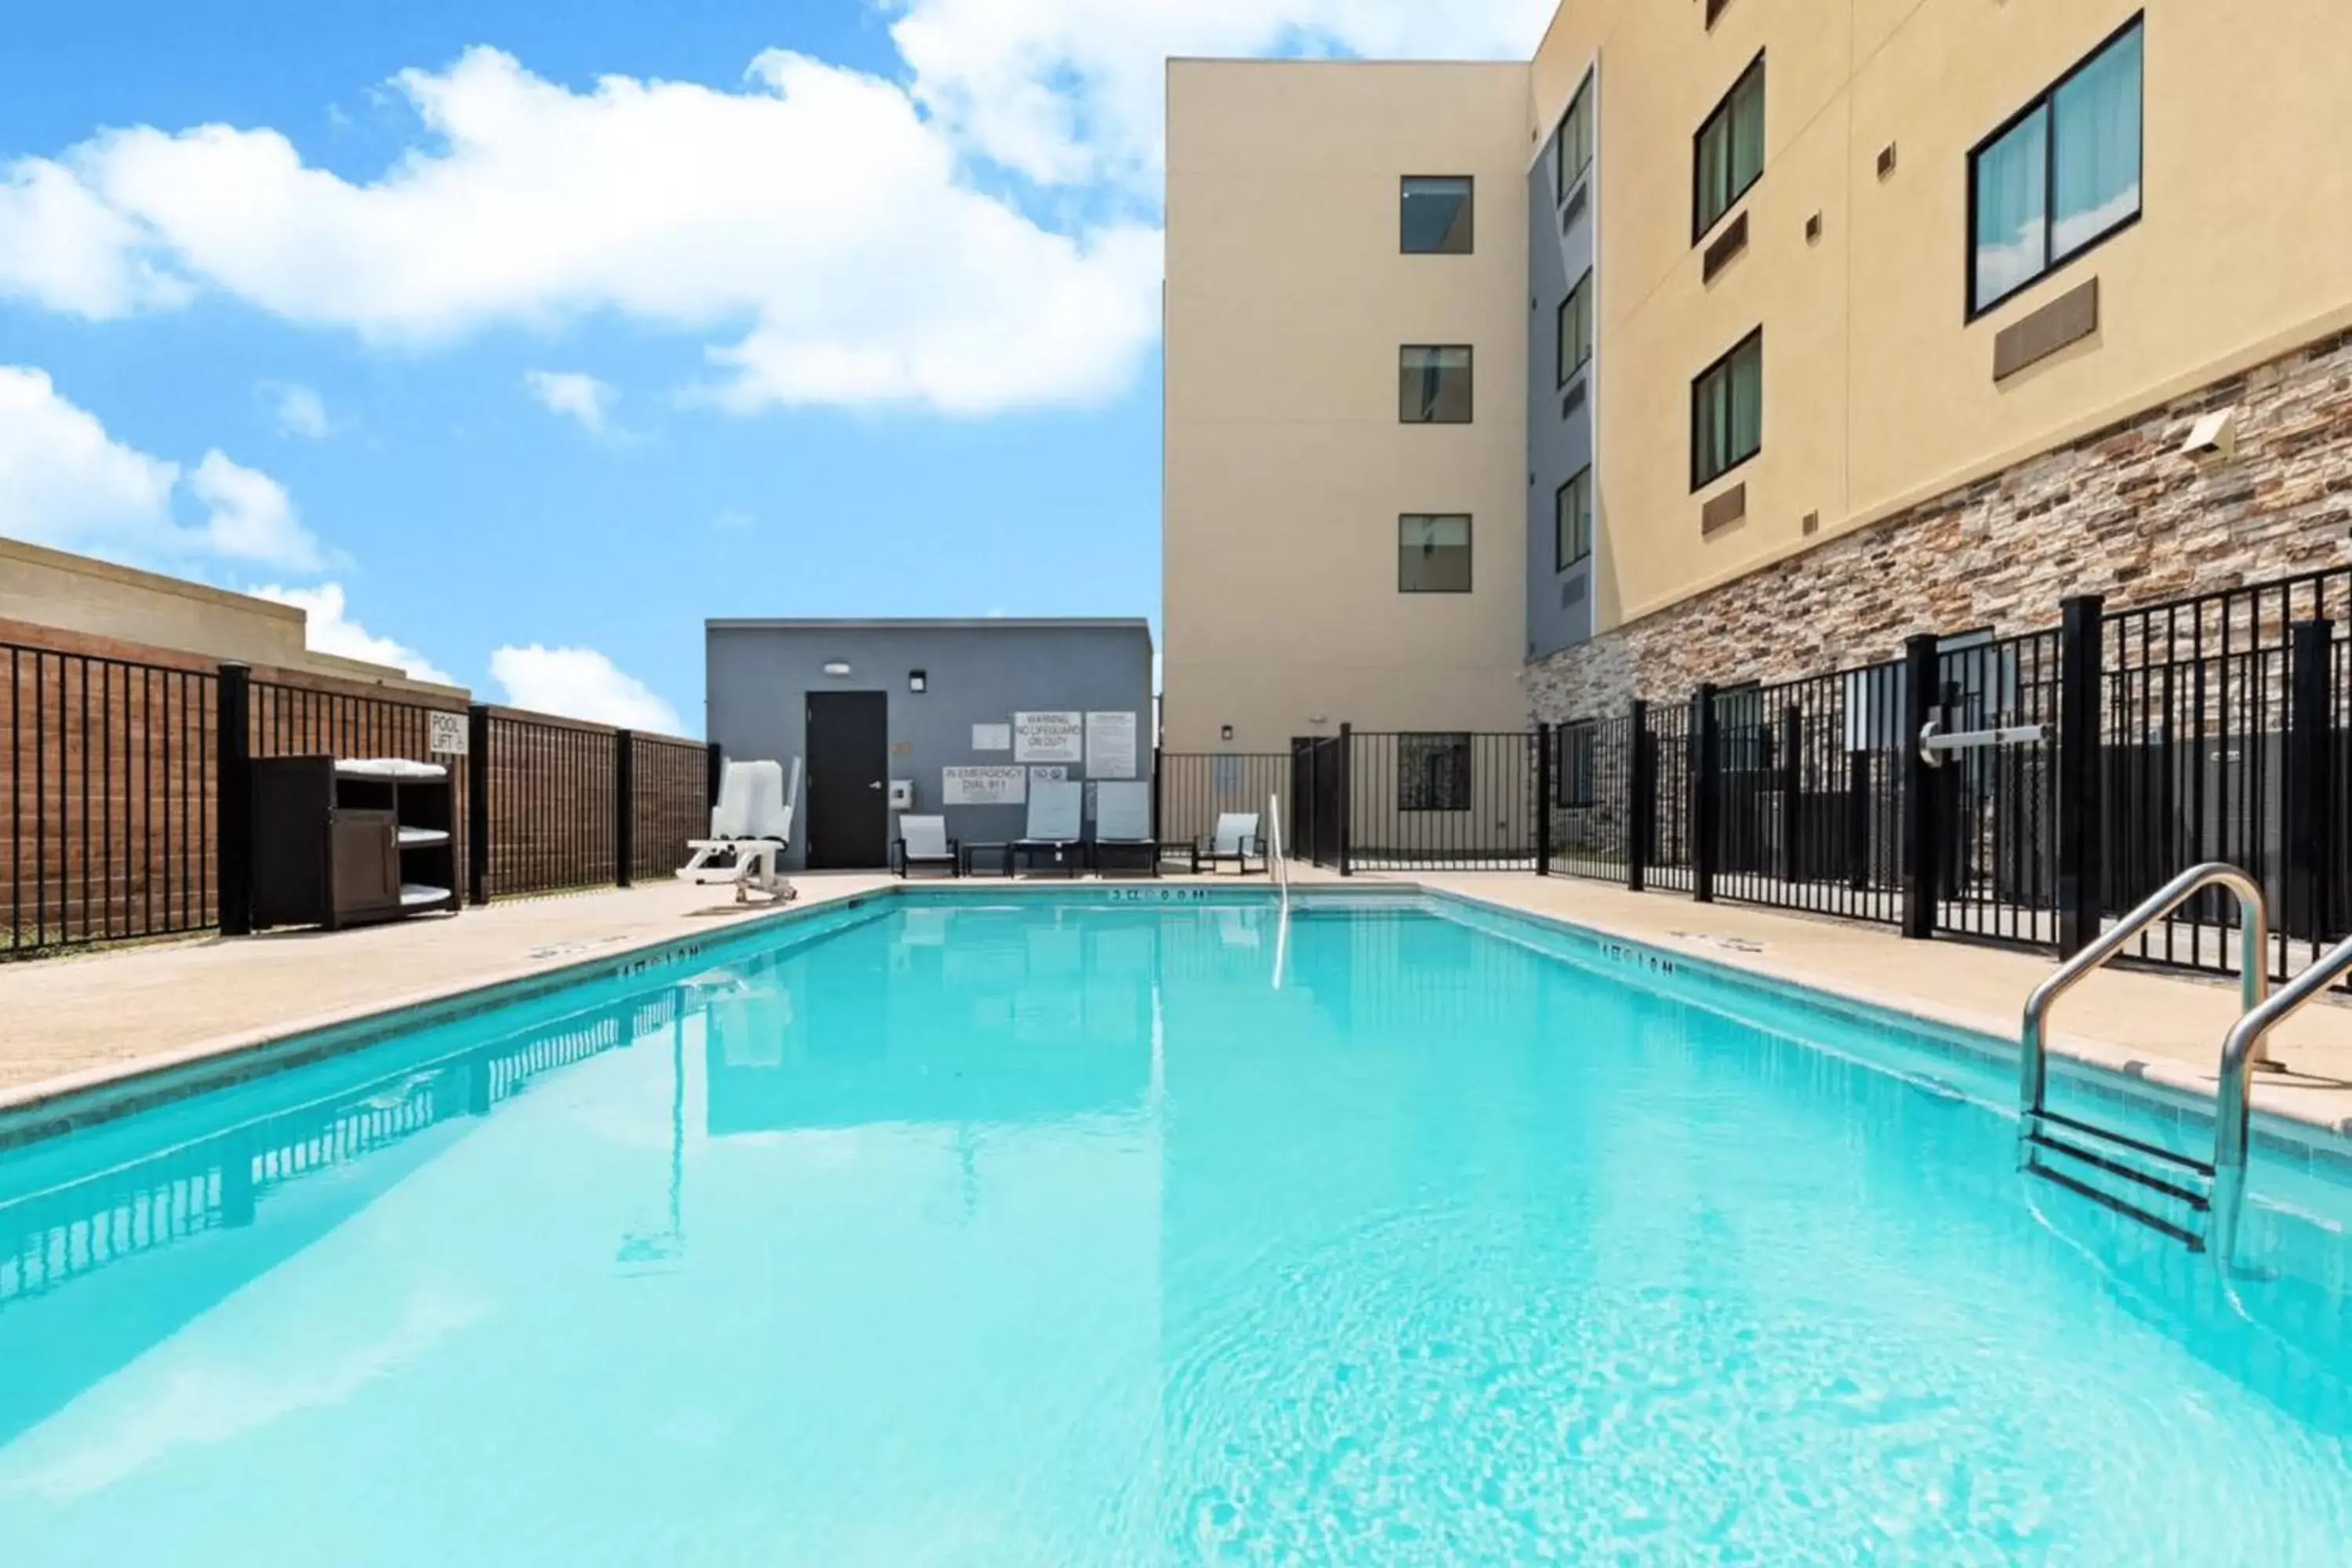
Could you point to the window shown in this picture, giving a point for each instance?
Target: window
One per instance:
(1571, 511)
(1580, 756)
(1433, 553)
(1728, 154)
(1576, 327)
(1433, 385)
(1432, 772)
(1727, 411)
(1575, 139)
(2060, 175)
(1435, 215)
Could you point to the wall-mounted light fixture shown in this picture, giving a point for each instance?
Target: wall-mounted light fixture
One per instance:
(1224, 731)
(837, 667)
(917, 681)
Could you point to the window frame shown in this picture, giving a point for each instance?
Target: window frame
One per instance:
(1471, 247)
(1583, 475)
(1469, 372)
(1566, 180)
(1469, 550)
(2045, 103)
(1579, 738)
(1424, 746)
(1722, 110)
(1567, 373)
(1722, 361)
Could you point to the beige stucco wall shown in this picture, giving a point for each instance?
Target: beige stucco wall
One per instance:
(1878, 394)
(1285, 466)
(75, 593)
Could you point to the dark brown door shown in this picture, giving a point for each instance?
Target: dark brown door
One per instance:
(363, 846)
(848, 806)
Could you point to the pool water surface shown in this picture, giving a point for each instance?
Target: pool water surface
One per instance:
(1052, 1231)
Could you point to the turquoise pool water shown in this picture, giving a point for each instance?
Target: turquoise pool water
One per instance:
(1058, 1233)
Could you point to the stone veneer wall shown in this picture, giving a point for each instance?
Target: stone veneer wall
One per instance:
(2120, 512)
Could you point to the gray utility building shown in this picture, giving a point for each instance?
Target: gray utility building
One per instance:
(950, 718)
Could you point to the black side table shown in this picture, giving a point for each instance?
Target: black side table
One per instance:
(1002, 854)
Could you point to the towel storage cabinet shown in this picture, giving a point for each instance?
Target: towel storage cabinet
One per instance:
(339, 842)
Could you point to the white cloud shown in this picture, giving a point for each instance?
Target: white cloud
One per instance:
(1070, 91)
(732, 520)
(580, 683)
(813, 222)
(568, 392)
(65, 482)
(63, 247)
(329, 629)
(300, 410)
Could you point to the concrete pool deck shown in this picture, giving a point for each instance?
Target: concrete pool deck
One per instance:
(70, 1021)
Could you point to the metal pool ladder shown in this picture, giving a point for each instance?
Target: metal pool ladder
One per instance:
(2210, 1189)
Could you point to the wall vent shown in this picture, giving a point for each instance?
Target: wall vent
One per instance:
(1812, 523)
(1886, 160)
(1571, 593)
(1723, 510)
(1729, 244)
(1575, 208)
(2068, 319)
(1715, 8)
(1814, 229)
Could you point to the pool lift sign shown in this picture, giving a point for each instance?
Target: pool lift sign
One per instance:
(444, 734)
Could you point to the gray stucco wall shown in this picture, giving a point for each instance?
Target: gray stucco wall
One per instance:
(1560, 418)
(758, 676)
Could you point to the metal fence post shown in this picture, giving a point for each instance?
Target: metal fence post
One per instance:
(2310, 717)
(1707, 762)
(1544, 733)
(2081, 651)
(1642, 809)
(624, 806)
(1793, 787)
(1159, 815)
(232, 799)
(478, 804)
(1919, 880)
(1347, 797)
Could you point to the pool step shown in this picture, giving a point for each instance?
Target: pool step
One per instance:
(2167, 1192)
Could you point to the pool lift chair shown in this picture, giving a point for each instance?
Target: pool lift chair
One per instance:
(751, 828)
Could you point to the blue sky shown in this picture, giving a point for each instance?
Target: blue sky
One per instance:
(515, 339)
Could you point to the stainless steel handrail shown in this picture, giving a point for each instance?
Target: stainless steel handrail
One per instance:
(2232, 1112)
(1281, 865)
(2253, 965)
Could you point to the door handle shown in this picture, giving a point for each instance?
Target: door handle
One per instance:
(875, 784)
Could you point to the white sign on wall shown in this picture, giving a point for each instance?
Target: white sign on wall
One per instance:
(1110, 745)
(992, 737)
(444, 734)
(983, 786)
(1052, 774)
(1049, 738)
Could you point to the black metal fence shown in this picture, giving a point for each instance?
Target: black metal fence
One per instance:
(107, 782)
(124, 803)
(1194, 789)
(2025, 790)
(1453, 800)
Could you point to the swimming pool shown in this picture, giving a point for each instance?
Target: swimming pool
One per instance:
(1051, 1229)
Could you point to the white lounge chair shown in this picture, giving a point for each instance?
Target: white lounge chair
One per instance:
(751, 827)
(1123, 827)
(923, 842)
(1057, 809)
(1234, 840)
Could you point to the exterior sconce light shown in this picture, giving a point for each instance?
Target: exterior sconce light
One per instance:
(918, 682)
(837, 668)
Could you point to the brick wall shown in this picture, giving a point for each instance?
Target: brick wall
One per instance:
(2120, 512)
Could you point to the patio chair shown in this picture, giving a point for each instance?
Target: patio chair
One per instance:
(751, 827)
(923, 842)
(1235, 841)
(1123, 831)
(1057, 810)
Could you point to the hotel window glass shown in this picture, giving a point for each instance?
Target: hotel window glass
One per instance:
(1727, 411)
(2060, 175)
(1575, 141)
(1433, 385)
(1433, 553)
(1434, 773)
(1728, 154)
(1436, 216)
(1572, 520)
(1576, 328)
